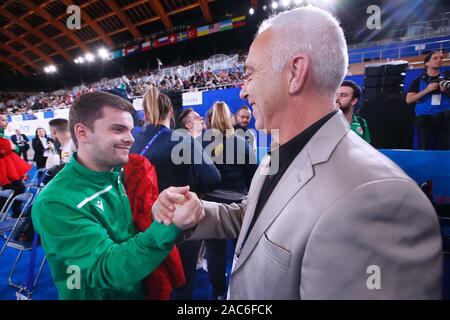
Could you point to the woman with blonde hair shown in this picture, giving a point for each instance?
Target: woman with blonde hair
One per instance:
(156, 142)
(236, 161)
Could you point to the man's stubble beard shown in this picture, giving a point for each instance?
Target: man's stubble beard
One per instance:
(106, 158)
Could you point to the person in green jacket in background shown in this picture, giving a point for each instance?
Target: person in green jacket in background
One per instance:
(347, 97)
(83, 215)
(3, 125)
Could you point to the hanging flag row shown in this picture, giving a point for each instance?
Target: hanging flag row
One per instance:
(181, 36)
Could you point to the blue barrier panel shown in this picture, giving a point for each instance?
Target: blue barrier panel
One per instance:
(49, 114)
(27, 116)
(423, 165)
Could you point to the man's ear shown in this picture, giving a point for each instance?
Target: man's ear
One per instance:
(298, 72)
(82, 133)
(354, 102)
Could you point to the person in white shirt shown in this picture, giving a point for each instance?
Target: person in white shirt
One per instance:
(59, 129)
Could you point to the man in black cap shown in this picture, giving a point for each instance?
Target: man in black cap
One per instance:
(432, 105)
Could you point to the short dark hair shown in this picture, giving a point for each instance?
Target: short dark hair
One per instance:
(356, 89)
(428, 56)
(59, 124)
(183, 115)
(243, 108)
(89, 107)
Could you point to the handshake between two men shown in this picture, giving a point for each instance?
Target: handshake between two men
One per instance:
(179, 206)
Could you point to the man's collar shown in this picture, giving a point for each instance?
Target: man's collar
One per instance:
(94, 176)
(289, 150)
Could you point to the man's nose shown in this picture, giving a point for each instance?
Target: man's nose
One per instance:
(129, 138)
(243, 94)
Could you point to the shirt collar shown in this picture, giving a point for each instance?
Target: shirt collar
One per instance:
(94, 176)
(289, 151)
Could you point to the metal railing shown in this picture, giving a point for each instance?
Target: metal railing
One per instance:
(414, 31)
(215, 87)
(418, 48)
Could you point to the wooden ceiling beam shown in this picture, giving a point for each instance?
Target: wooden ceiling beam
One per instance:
(149, 20)
(124, 18)
(14, 65)
(254, 4)
(23, 57)
(38, 33)
(56, 23)
(27, 46)
(94, 25)
(159, 10)
(206, 10)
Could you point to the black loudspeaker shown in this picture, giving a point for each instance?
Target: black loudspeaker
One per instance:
(390, 120)
(384, 79)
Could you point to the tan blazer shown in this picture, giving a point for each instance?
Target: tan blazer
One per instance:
(344, 222)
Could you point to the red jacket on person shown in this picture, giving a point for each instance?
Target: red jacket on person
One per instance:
(12, 167)
(141, 184)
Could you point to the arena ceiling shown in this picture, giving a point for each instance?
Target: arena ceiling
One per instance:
(34, 33)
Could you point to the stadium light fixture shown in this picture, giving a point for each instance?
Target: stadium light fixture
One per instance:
(251, 11)
(285, 3)
(89, 57)
(274, 5)
(50, 69)
(103, 53)
(297, 2)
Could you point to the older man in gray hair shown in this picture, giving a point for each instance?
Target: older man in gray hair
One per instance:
(338, 220)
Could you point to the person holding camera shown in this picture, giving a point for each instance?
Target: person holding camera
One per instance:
(431, 94)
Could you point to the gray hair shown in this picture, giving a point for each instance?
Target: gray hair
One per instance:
(316, 33)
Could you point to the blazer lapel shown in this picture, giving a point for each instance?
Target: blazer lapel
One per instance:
(296, 176)
(301, 170)
(252, 197)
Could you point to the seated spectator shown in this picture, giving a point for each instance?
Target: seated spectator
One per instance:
(12, 168)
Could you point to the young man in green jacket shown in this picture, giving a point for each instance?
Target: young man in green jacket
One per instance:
(347, 97)
(83, 215)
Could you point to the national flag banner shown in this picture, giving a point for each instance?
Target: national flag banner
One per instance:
(213, 28)
(132, 50)
(117, 54)
(146, 46)
(192, 33)
(202, 31)
(164, 41)
(226, 25)
(172, 38)
(182, 36)
(238, 19)
(238, 22)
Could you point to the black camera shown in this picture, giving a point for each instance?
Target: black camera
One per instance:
(445, 84)
(439, 80)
